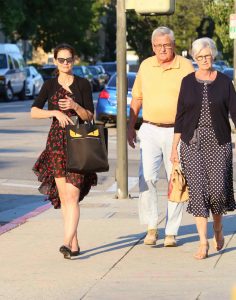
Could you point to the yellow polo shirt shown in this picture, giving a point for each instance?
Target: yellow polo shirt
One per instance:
(158, 88)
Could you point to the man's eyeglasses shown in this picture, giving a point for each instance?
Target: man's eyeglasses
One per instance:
(159, 46)
(201, 57)
(69, 60)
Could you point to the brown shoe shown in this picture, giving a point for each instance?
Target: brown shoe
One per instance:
(170, 241)
(151, 237)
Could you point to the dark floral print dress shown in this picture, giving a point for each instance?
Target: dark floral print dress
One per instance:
(51, 163)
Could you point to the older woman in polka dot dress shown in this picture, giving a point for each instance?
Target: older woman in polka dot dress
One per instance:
(206, 99)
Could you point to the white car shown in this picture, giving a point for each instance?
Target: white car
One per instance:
(34, 82)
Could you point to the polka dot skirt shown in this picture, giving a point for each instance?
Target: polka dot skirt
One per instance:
(208, 168)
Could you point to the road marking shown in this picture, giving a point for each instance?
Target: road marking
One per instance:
(132, 182)
(21, 185)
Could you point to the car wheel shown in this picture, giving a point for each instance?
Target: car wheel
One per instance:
(21, 95)
(9, 93)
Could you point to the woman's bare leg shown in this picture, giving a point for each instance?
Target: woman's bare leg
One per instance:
(218, 239)
(72, 213)
(201, 224)
(62, 190)
(202, 231)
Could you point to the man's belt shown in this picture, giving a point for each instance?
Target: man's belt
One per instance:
(159, 124)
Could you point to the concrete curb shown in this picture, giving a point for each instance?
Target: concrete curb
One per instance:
(21, 220)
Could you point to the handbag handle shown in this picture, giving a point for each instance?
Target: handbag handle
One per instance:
(181, 179)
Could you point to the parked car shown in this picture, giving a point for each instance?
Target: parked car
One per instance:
(48, 71)
(98, 79)
(103, 72)
(109, 67)
(229, 72)
(12, 72)
(222, 64)
(83, 71)
(106, 109)
(34, 82)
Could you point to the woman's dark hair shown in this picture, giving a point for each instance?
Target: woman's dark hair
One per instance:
(64, 46)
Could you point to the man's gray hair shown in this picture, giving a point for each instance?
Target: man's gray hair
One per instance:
(159, 31)
(203, 43)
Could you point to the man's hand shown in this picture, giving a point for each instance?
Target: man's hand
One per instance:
(131, 137)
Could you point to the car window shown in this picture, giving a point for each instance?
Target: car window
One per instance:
(27, 72)
(16, 64)
(78, 72)
(10, 63)
(47, 71)
(109, 67)
(112, 81)
(93, 71)
(21, 63)
(34, 71)
(3, 61)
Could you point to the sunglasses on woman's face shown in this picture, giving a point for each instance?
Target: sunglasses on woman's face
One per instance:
(68, 60)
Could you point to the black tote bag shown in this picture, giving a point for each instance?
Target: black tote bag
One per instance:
(86, 148)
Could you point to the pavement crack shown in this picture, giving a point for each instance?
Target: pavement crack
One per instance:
(117, 262)
(223, 251)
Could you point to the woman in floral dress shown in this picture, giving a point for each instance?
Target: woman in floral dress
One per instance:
(67, 96)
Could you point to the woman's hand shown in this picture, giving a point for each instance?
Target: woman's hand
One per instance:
(174, 158)
(62, 118)
(67, 103)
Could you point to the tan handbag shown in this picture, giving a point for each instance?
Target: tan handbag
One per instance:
(177, 188)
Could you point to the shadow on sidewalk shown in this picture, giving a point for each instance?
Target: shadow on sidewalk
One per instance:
(229, 222)
(124, 242)
(134, 239)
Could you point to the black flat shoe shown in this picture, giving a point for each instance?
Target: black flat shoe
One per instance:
(65, 251)
(75, 253)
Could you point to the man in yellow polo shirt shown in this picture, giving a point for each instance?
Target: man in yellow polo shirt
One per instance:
(156, 90)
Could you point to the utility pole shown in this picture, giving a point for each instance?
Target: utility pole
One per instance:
(122, 155)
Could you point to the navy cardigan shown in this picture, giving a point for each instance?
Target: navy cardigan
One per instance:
(222, 101)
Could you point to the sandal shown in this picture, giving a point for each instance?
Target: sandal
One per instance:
(218, 239)
(65, 251)
(75, 253)
(202, 251)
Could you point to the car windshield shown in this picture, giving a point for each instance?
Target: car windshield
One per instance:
(109, 67)
(3, 61)
(112, 81)
(93, 71)
(47, 71)
(78, 72)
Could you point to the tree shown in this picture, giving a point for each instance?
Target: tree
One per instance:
(220, 11)
(49, 22)
(109, 27)
(183, 22)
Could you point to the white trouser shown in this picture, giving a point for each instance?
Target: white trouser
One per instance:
(155, 147)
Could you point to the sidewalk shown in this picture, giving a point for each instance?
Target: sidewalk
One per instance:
(114, 263)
